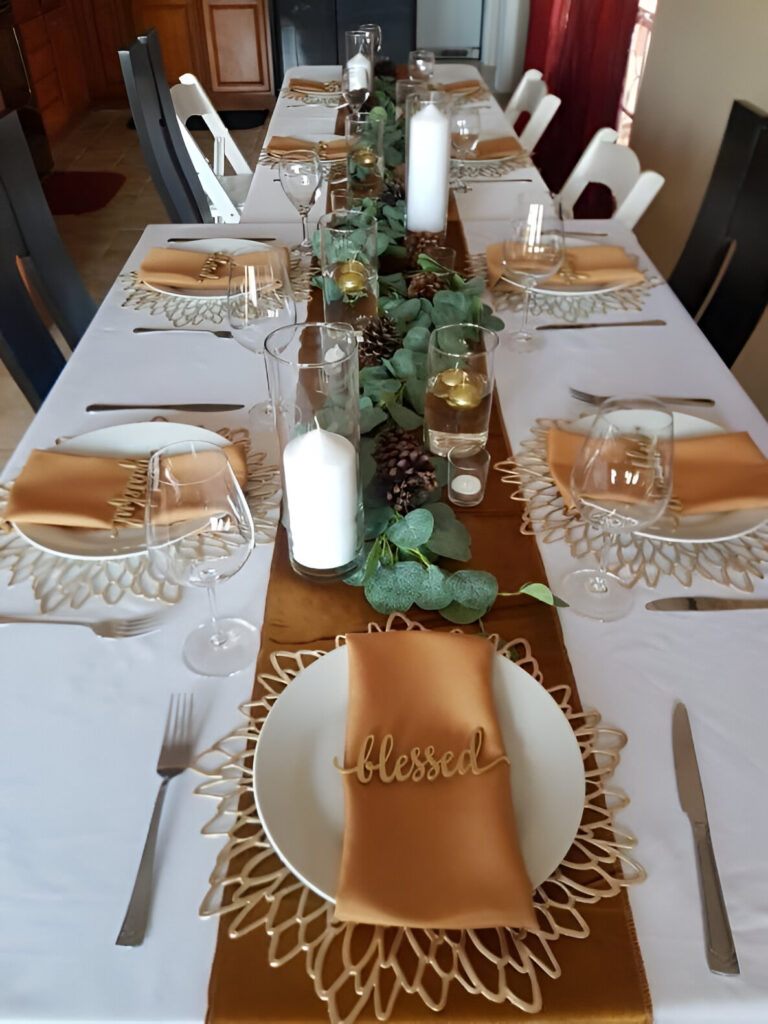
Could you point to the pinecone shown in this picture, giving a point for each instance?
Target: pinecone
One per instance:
(404, 468)
(425, 286)
(381, 339)
(417, 242)
(393, 191)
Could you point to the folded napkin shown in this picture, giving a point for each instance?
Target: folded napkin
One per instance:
(180, 268)
(716, 473)
(427, 851)
(96, 492)
(310, 85)
(464, 86)
(584, 265)
(496, 149)
(332, 149)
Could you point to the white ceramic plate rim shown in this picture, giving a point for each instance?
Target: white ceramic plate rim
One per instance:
(299, 793)
(228, 245)
(703, 529)
(122, 439)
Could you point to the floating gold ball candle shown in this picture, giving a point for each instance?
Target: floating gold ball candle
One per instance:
(350, 276)
(365, 157)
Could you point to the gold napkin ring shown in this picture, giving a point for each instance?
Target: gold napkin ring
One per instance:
(210, 269)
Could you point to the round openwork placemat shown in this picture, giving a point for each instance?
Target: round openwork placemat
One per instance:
(331, 98)
(734, 563)
(69, 582)
(354, 967)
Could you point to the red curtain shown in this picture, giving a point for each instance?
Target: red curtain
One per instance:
(581, 47)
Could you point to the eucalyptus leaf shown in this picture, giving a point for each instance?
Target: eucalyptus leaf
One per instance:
(413, 530)
(376, 520)
(370, 418)
(541, 592)
(405, 417)
(378, 390)
(473, 588)
(417, 338)
(434, 593)
(450, 538)
(416, 390)
(394, 588)
(368, 373)
(406, 363)
(356, 578)
(367, 468)
(449, 308)
(461, 613)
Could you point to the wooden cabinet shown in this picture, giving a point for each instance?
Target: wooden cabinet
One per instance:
(106, 26)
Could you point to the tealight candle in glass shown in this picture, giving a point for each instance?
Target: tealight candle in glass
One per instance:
(349, 262)
(312, 370)
(467, 475)
(365, 157)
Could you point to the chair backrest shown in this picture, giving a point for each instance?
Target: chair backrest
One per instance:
(190, 100)
(157, 127)
(28, 235)
(533, 98)
(617, 167)
(722, 275)
(221, 205)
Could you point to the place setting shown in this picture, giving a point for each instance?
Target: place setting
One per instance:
(310, 92)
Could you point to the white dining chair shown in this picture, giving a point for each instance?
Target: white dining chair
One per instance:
(532, 97)
(618, 168)
(226, 192)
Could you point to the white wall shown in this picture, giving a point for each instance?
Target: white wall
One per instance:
(704, 55)
(505, 32)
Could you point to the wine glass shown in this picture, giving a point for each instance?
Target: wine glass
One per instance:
(355, 87)
(301, 175)
(533, 251)
(421, 65)
(465, 134)
(199, 531)
(621, 481)
(259, 299)
(375, 31)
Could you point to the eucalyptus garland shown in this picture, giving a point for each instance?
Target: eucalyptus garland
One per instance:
(399, 567)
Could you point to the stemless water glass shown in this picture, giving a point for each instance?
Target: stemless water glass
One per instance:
(355, 88)
(533, 251)
(349, 262)
(199, 531)
(421, 65)
(457, 406)
(365, 157)
(465, 134)
(301, 175)
(621, 481)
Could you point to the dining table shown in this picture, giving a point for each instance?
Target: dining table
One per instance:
(83, 716)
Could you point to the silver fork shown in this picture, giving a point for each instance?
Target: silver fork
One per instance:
(181, 330)
(175, 756)
(112, 628)
(590, 399)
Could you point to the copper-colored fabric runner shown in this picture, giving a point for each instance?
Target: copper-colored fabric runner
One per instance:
(602, 979)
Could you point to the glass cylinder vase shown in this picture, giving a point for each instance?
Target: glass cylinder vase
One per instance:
(349, 262)
(360, 47)
(312, 371)
(365, 157)
(427, 161)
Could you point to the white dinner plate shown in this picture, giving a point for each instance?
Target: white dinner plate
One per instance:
(299, 792)
(699, 529)
(127, 439)
(228, 245)
(575, 288)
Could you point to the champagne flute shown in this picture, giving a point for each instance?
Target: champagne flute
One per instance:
(199, 531)
(621, 481)
(355, 87)
(259, 299)
(301, 175)
(533, 251)
(465, 134)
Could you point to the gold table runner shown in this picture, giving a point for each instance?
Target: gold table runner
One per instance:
(600, 980)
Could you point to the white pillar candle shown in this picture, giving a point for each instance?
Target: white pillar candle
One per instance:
(466, 485)
(320, 473)
(429, 158)
(359, 68)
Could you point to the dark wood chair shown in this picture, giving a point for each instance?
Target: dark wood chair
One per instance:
(722, 275)
(38, 280)
(164, 151)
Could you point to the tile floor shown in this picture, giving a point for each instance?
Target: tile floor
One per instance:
(100, 242)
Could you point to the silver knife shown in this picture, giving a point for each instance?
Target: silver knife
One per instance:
(181, 330)
(188, 407)
(721, 952)
(615, 323)
(704, 604)
(208, 239)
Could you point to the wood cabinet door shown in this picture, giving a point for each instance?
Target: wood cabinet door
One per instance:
(180, 33)
(239, 49)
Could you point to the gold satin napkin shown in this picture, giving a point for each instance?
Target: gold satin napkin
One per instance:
(310, 85)
(717, 473)
(180, 268)
(464, 86)
(497, 149)
(428, 852)
(94, 492)
(333, 149)
(584, 266)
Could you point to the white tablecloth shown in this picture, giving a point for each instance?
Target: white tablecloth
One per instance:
(82, 717)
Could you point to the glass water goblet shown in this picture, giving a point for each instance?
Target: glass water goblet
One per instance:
(355, 88)
(621, 482)
(532, 252)
(301, 175)
(465, 134)
(199, 531)
(421, 65)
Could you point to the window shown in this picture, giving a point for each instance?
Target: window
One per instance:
(638, 53)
